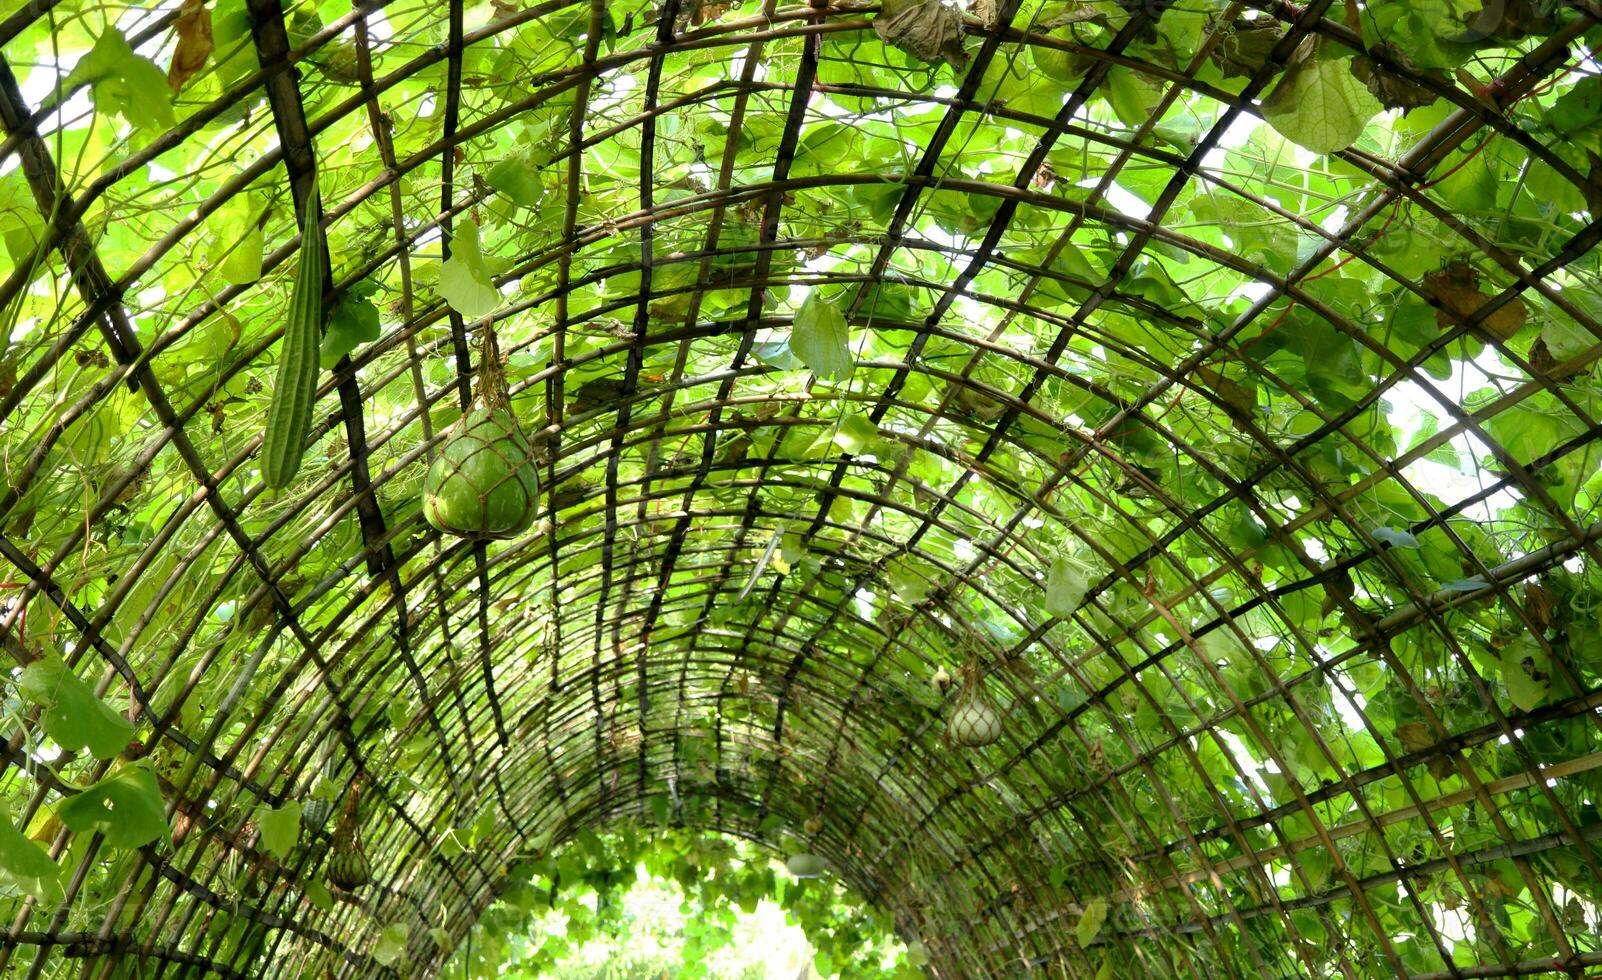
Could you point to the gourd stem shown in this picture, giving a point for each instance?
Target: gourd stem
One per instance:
(347, 816)
(973, 687)
(492, 391)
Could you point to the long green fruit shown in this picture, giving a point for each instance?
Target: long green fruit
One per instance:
(289, 417)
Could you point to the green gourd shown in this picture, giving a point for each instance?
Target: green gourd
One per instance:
(806, 865)
(483, 483)
(348, 867)
(314, 813)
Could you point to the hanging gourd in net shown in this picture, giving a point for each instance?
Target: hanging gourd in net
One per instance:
(483, 483)
(975, 720)
(348, 866)
(318, 806)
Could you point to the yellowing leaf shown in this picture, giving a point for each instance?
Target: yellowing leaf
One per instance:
(464, 280)
(1239, 399)
(1317, 104)
(1415, 736)
(820, 337)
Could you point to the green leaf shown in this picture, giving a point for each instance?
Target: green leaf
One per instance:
(464, 279)
(450, 844)
(1132, 96)
(1524, 673)
(820, 337)
(355, 322)
(235, 239)
(855, 433)
(398, 712)
(1066, 582)
(1318, 104)
(518, 177)
(20, 224)
(1577, 115)
(910, 584)
(391, 945)
(73, 716)
(279, 828)
(26, 864)
(126, 807)
(124, 84)
(1090, 921)
(243, 265)
(1058, 875)
(1395, 538)
(318, 895)
(777, 354)
(1073, 263)
(1436, 31)
(1565, 338)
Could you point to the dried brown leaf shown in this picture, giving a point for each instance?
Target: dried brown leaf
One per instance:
(1239, 399)
(1394, 89)
(707, 12)
(1456, 287)
(1510, 20)
(926, 29)
(193, 28)
(1538, 603)
(1245, 47)
(1415, 736)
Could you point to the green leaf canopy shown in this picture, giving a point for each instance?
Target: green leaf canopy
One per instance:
(1213, 386)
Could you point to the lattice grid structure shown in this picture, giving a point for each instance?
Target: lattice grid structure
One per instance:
(1318, 431)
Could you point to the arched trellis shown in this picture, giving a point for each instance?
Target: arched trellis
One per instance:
(1162, 753)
